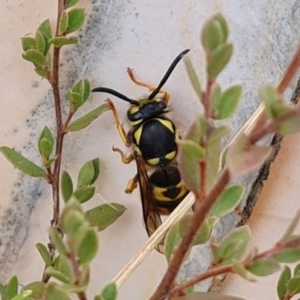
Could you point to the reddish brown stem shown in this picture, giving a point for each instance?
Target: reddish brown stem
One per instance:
(207, 274)
(179, 254)
(54, 81)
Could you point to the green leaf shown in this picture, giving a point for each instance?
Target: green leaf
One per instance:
(104, 215)
(96, 165)
(64, 266)
(288, 255)
(177, 231)
(44, 253)
(88, 247)
(283, 281)
(215, 33)
(75, 99)
(4, 293)
(12, 287)
(193, 77)
(70, 3)
(66, 186)
(45, 143)
(264, 267)
(88, 118)
(76, 19)
(40, 41)
(63, 22)
(218, 60)
(228, 102)
(24, 295)
(213, 152)
(60, 41)
(37, 288)
(290, 126)
(53, 293)
(109, 292)
(22, 163)
(57, 274)
(241, 236)
(190, 154)
(197, 131)
(35, 57)
(41, 72)
(84, 193)
(71, 288)
(82, 87)
(28, 43)
(71, 221)
(57, 241)
(45, 30)
(240, 270)
(274, 104)
(294, 285)
(297, 270)
(85, 175)
(228, 201)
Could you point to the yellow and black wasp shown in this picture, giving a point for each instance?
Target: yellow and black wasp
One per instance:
(153, 137)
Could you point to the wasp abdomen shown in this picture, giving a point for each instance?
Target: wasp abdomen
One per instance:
(155, 140)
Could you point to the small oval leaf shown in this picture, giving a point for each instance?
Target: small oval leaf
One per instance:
(215, 33)
(66, 186)
(228, 102)
(22, 163)
(63, 22)
(109, 292)
(88, 247)
(76, 19)
(84, 193)
(264, 267)
(228, 201)
(88, 118)
(85, 175)
(218, 60)
(35, 57)
(283, 281)
(44, 253)
(288, 255)
(104, 215)
(62, 40)
(71, 3)
(28, 43)
(193, 77)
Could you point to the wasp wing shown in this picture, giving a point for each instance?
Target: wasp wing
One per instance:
(151, 214)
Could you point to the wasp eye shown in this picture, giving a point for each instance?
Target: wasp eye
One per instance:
(136, 116)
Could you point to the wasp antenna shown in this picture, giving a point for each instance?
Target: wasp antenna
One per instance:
(168, 73)
(115, 93)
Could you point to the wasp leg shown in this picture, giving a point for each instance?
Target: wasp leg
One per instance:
(132, 184)
(125, 159)
(120, 127)
(166, 95)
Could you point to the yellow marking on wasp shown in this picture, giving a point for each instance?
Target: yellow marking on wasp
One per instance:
(170, 155)
(138, 134)
(166, 123)
(153, 161)
(134, 109)
(135, 123)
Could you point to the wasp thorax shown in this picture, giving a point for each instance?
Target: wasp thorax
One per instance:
(146, 110)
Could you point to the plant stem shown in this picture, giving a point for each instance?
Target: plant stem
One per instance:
(203, 207)
(54, 81)
(205, 204)
(207, 274)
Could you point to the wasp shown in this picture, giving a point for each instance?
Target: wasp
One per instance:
(153, 138)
